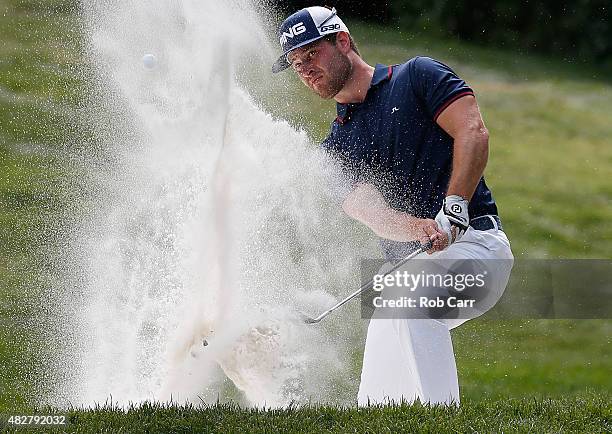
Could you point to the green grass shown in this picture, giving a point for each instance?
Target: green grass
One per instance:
(549, 169)
(39, 96)
(587, 414)
(539, 358)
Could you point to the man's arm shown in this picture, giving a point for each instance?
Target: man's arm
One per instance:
(463, 122)
(367, 205)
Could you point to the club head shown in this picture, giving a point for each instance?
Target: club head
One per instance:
(307, 319)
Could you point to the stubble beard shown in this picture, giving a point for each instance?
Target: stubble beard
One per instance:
(341, 70)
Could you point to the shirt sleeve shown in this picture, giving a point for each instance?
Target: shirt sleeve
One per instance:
(437, 85)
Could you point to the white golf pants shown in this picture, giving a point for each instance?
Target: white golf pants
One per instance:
(406, 359)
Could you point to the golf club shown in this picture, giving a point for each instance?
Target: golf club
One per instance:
(365, 287)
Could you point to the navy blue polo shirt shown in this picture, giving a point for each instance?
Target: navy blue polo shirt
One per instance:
(392, 139)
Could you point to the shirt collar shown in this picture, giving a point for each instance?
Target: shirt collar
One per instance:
(381, 73)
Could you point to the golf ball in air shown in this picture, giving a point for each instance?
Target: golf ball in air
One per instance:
(149, 61)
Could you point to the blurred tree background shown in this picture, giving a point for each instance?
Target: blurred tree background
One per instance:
(578, 30)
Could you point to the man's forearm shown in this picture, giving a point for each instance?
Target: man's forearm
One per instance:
(463, 122)
(470, 154)
(367, 205)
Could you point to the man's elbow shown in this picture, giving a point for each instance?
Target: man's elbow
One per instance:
(483, 143)
(478, 134)
(483, 137)
(476, 138)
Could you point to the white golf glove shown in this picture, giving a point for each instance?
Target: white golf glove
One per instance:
(453, 218)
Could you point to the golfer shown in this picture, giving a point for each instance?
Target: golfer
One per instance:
(413, 142)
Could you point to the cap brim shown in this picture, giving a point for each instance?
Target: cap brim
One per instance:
(282, 63)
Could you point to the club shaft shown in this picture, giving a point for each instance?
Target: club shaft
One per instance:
(368, 285)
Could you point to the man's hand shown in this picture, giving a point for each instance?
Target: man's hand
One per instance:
(453, 218)
(431, 231)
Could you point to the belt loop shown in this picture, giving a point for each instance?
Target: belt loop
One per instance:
(494, 222)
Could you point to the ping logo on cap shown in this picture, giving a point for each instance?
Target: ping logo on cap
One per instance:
(294, 30)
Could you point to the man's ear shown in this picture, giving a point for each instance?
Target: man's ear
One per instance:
(343, 42)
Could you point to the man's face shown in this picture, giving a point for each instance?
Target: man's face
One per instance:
(322, 67)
